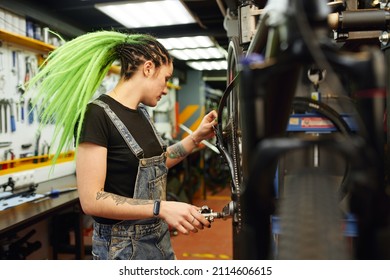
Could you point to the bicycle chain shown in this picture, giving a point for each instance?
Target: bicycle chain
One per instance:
(230, 134)
(236, 173)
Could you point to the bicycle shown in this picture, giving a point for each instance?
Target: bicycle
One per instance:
(291, 37)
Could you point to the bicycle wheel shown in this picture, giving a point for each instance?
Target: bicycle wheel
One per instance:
(311, 223)
(233, 141)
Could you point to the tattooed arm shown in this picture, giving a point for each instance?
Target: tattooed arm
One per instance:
(178, 151)
(118, 199)
(91, 174)
(91, 165)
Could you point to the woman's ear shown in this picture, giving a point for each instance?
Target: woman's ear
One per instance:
(148, 68)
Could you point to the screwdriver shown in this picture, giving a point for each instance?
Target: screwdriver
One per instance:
(12, 113)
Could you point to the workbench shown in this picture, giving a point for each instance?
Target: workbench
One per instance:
(19, 217)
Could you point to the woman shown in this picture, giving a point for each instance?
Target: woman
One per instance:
(121, 161)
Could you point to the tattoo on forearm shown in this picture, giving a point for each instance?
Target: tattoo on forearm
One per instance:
(118, 199)
(177, 151)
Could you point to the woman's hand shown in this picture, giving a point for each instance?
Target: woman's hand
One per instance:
(182, 216)
(206, 128)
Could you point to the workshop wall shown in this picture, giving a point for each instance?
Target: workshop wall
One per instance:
(24, 44)
(191, 98)
(19, 122)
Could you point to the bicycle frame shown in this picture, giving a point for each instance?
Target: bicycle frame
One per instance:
(280, 51)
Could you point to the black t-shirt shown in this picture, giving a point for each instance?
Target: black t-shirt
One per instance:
(122, 164)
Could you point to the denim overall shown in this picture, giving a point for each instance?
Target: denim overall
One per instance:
(136, 239)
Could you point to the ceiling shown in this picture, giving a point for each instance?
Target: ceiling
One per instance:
(81, 16)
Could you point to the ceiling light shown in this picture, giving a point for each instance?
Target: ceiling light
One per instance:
(199, 53)
(137, 14)
(208, 65)
(187, 42)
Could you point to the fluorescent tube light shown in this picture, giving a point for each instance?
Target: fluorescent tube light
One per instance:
(187, 42)
(192, 48)
(196, 54)
(138, 14)
(208, 65)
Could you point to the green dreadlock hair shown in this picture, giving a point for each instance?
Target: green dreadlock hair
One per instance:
(72, 73)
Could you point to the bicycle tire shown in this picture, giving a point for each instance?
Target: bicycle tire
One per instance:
(232, 139)
(306, 104)
(311, 223)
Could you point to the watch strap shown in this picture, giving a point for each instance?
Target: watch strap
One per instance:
(156, 207)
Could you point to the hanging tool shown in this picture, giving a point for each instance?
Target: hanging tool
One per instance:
(11, 152)
(5, 144)
(6, 153)
(28, 67)
(17, 111)
(20, 86)
(12, 116)
(30, 112)
(22, 108)
(36, 148)
(13, 70)
(26, 146)
(1, 119)
(18, 67)
(5, 103)
(45, 151)
(31, 68)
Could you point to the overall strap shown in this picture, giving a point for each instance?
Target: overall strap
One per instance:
(134, 147)
(160, 140)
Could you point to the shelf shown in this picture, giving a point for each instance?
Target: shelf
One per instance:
(27, 42)
(28, 163)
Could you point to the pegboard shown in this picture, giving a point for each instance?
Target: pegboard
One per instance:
(19, 137)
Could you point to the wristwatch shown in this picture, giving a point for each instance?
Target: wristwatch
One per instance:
(156, 207)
